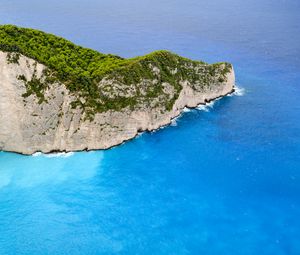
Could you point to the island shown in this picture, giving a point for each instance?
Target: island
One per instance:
(56, 96)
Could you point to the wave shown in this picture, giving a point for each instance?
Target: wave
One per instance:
(37, 154)
(174, 122)
(238, 91)
(206, 107)
(54, 155)
(185, 109)
(59, 155)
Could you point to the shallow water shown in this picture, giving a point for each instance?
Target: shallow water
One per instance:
(220, 180)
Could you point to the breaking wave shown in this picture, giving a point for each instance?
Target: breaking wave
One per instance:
(206, 107)
(54, 155)
(238, 91)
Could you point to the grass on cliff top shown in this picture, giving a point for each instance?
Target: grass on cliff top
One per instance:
(70, 61)
(80, 69)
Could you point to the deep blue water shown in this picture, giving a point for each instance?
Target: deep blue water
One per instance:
(221, 181)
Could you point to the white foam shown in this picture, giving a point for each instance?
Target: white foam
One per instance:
(54, 155)
(174, 122)
(185, 109)
(139, 134)
(211, 104)
(202, 108)
(157, 129)
(59, 155)
(239, 91)
(206, 107)
(37, 154)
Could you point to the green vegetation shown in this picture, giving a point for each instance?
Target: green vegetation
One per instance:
(83, 71)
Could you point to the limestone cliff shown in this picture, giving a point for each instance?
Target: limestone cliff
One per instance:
(28, 125)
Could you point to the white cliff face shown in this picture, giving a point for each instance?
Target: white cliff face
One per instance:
(27, 126)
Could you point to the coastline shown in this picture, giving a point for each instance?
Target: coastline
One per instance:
(66, 153)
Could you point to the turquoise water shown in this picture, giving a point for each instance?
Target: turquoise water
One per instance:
(221, 180)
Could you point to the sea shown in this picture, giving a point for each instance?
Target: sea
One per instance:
(222, 179)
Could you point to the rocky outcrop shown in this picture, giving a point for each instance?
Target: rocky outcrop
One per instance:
(28, 125)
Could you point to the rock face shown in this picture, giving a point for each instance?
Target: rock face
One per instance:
(28, 126)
